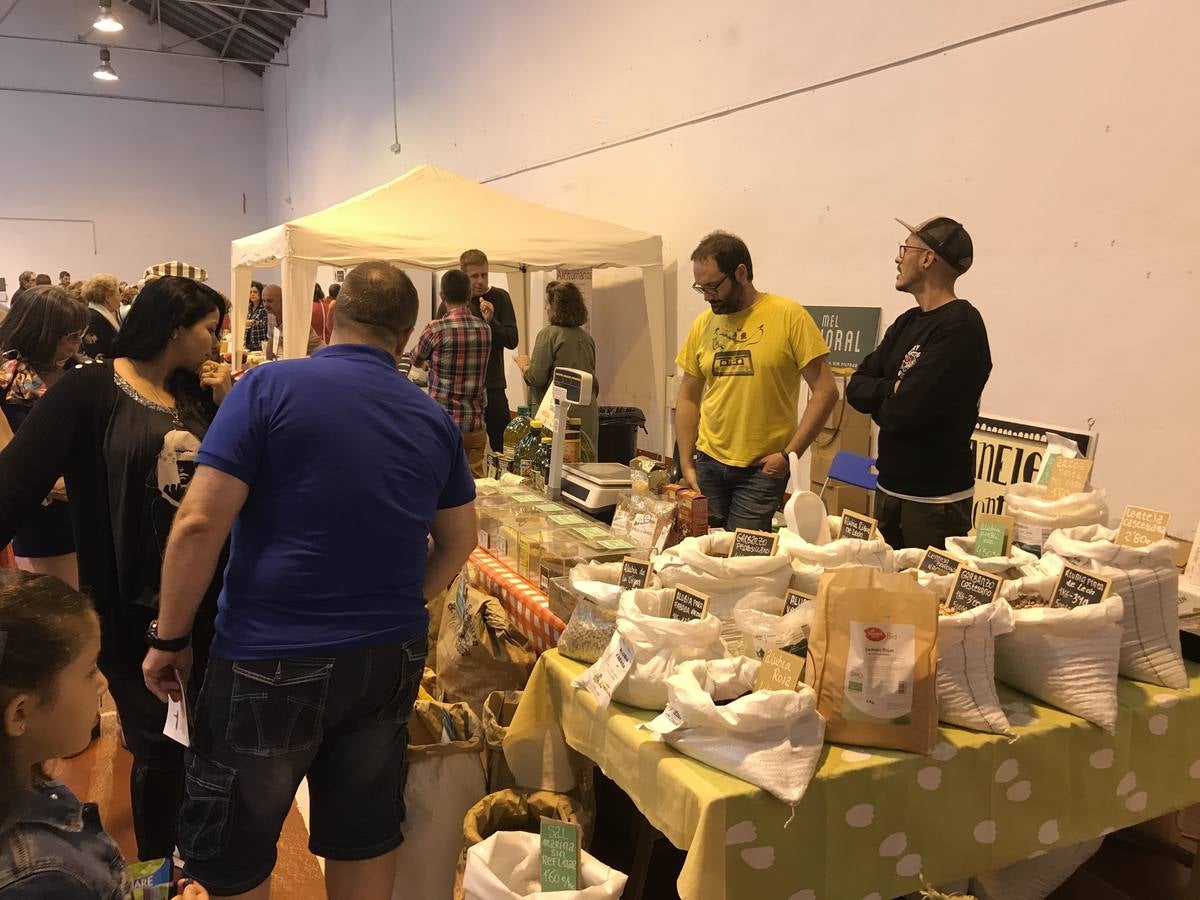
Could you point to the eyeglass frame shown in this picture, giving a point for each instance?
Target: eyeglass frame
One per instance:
(709, 289)
(78, 335)
(904, 247)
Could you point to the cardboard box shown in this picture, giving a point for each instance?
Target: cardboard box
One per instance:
(819, 462)
(842, 497)
(845, 429)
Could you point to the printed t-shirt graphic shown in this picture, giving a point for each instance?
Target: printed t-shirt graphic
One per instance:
(732, 353)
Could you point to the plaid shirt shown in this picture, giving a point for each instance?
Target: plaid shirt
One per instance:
(256, 328)
(456, 348)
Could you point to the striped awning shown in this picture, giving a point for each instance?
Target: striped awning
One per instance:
(175, 267)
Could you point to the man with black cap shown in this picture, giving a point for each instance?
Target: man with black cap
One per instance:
(922, 387)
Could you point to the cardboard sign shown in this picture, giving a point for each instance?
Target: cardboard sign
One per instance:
(993, 535)
(973, 588)
(1068, 476)
(688, 605)
(560, 854)
(937, 562)
(634, 573)
(1078, 588)
(1141, 526)
(753, 543)
(856, 526)
(795, 599)
(779, 671)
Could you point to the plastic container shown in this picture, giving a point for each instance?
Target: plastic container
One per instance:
(516, 430)
(617, 436)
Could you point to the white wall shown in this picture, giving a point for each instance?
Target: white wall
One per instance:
(1067, 146)
(162, 176)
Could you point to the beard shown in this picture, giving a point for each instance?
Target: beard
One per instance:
(731, 304)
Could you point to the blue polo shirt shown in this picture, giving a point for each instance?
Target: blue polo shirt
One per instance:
(347, 463)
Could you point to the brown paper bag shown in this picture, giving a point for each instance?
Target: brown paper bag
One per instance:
(872, 659)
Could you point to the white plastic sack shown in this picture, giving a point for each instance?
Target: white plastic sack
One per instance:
(744, 582)
(1036, 516)
(659, 643)
(839, 551)
(601, 582)
(763, 631)
(907, 558)
(1147, 580)
(1034, 879)
(507, 866)
(966, 672)
(771, 739)
(445, 779)
(963, 549)
(1067, 658)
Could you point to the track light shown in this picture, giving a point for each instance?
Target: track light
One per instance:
(106, 21)
(104, 71)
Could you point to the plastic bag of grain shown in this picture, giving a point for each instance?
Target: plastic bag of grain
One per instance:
(838, 551)
(1011, 565)
(763, 631)
(594, 618)
(1147, 580)
(1036, 515)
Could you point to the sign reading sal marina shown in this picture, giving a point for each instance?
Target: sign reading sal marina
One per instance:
(1010, 451)
(850, 331)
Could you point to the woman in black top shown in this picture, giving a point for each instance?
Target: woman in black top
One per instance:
(41, 333)
(257, 329)
(125, 433)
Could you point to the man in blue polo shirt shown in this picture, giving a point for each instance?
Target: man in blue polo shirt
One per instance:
(332, 472)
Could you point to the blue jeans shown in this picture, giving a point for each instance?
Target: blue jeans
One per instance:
(738, 497)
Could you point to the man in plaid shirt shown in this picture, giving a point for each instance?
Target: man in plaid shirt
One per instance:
(455, 350)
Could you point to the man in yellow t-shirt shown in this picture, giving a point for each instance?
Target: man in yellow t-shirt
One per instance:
(735, 419)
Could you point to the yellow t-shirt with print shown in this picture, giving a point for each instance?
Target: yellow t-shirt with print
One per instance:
(750, 362)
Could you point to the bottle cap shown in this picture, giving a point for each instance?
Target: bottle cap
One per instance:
(536, 423)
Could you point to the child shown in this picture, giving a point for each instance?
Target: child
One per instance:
(51, 845)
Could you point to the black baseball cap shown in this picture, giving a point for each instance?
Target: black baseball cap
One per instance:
(948, 239)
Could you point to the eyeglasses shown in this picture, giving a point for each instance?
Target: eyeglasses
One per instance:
(904, 247)
(709, 289)
(76, 335)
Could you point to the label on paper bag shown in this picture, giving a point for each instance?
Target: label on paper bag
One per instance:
(608, 671)
(688, 605)
(1076, 587)
(1032, 536)
(973, 588)
(753, 543)
(880, 669)
(936, 562)
(634, 573)
(779, 671)
(1068, 476)
(670, 720)
(993, 535)
(794, 599)
(856, 526)
(1141, 526)
(560, 855)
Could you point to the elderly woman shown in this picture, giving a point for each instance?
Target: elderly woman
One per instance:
(564, 343)
(102, 294)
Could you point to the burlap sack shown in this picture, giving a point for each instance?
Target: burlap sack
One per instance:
(497, 714)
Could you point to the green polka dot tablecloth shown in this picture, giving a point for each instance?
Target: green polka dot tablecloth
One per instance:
(872, 820)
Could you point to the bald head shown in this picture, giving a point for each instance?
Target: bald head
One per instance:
(378, 298)
(272, 296)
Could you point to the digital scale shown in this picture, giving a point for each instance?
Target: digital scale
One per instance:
(593, 487)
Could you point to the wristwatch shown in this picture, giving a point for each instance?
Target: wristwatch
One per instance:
(787, 457)
(174, 645)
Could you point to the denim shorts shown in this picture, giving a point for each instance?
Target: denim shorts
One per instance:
(262, 725)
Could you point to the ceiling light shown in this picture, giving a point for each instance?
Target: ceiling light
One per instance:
(104, 71)
(106, 21)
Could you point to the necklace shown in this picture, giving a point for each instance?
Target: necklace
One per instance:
(156, 404)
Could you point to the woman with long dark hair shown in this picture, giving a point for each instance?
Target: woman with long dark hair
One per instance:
(258, 331)
(44, 329)
(125, 432)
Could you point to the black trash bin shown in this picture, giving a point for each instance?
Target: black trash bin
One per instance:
(618, 433)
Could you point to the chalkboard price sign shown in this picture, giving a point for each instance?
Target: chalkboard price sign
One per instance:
(560, 855)
(795, 599)
(1078, 588)
(936, 562)
(634, 573)
(856, 526)
(973, 588)
(688, 605)
(753, 543)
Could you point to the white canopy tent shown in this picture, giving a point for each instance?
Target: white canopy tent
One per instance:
(424, 219)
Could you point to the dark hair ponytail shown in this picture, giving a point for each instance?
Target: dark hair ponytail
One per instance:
(41, 630)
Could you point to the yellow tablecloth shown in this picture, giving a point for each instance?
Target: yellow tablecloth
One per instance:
(873, 820)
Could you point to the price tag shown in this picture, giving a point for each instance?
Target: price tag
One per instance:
(1076, 587)
(1141, 526)
(592, 533)
(935, 562)
(608, 671)
(566, 519)
(483, 539)
(549, 508)
(501, 545)
(779, 671)
(688, 605)
(1031, 536)
(615, 544)
(973, 588)
(634, 573)
(753, 543)
(670, 720)
(993, 535)
(559, 846)
(1068, 476)
(856, 526)
(795, 599)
